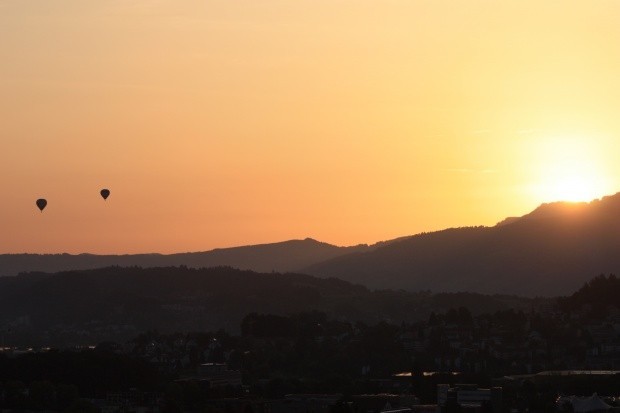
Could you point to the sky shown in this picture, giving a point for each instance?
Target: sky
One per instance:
(217, 123)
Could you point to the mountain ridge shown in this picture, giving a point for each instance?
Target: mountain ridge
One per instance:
(281, 256)
(115, 303)
(550, 251)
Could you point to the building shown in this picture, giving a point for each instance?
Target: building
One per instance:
(468, 397)
(305, 403)
(214, 375)
(218, 375)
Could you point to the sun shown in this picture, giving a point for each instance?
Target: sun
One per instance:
(573, 187)
(569, 170)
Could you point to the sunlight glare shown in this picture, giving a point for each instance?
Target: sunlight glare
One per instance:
(573, 188)
(570, 171)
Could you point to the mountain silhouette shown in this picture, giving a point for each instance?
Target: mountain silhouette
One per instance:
(280, 257)
(551, 251)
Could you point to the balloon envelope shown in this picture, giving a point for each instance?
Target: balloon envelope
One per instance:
(105, 193)
(41, 204)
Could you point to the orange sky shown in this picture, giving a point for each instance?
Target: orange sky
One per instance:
(229, 122)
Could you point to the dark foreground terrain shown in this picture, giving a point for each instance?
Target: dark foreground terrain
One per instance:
(314, 362)
(86, 307)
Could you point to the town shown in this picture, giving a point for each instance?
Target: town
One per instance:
(506, 361)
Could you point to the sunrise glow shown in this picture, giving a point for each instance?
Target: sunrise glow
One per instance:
(570, 169)
(226, 123)
(574, 189)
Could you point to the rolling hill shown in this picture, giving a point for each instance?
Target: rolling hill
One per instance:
(115, 303)
(548, 252)
(280, 257)
(551, 251)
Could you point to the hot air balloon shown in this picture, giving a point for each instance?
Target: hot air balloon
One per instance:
(41, 204)
(105, 193)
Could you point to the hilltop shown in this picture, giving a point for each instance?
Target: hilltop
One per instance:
(548, 252)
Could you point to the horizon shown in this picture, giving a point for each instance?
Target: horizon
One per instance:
(235, 123)
(310, 238)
